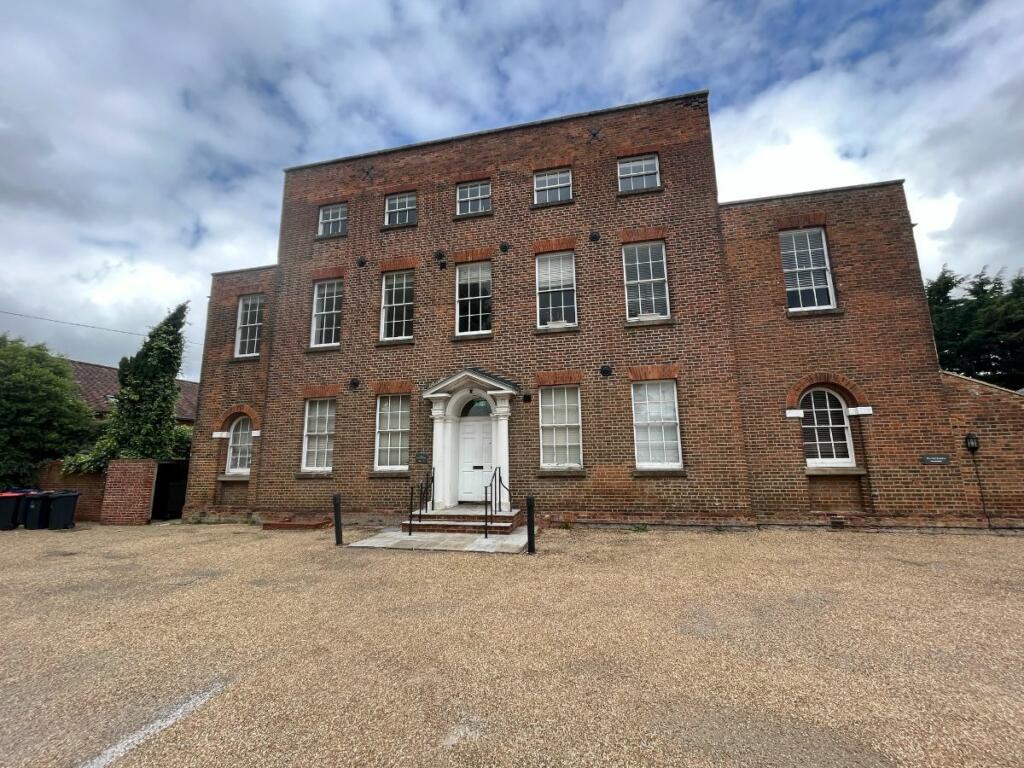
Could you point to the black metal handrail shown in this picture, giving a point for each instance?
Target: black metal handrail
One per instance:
(493, 498)
(421, 498)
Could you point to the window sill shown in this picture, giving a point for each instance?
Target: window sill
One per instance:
(239, 478)
(835, 471)
(566, 472)
(648, 190)
(311, 475)
(814, 312)
(389, 227)
(652, 321)
(323, 348)
(556, 329)
(383, 474)
(667, 472)
(395, 343)
(477, 215)
(472, 336)
(245, 359)
(553, 204)
(330, 237)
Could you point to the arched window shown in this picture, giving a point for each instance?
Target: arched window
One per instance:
(240, 446)
(476, 407)
(826, 430)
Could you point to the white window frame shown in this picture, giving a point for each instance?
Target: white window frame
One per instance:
(850, 461)
(639, 158)
(242, 300)
(324, 313)
(538, 175)
(331, 220)
(233, 444)
(458, 305)
(306, 434)
(403, 197)
(828, 270)
(636, 445)
(384, 305)
(541, 425)
(378, 432)
(459, 200)
(575, 307)
(626, 283)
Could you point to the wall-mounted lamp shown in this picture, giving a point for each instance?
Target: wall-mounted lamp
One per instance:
(354, 383)
(605, 370)
(971, 442)
(527, 397)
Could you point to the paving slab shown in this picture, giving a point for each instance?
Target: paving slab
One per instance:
(393, 538)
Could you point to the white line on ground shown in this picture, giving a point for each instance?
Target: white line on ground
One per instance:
(128, 743)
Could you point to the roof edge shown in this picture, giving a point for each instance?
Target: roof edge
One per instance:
(810, 192)
(115, 368)
(245, 269)
(490, 131)
(983, 383)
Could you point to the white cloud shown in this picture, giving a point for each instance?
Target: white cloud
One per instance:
(127, 128)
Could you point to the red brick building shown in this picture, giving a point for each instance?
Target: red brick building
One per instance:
(567, 303)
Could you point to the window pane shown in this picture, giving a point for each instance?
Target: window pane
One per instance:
(826, 429)
(250, 324)
(393, 431)
(319, 434)
(397, 305)
(561, 436)
(646, 281)
(327, 313)
(805, 269)
(474, 298)
(656, 424)
(333, 220)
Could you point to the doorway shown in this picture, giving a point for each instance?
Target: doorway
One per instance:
(474, 449)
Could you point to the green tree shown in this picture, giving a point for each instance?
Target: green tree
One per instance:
(142, 424)
(42, 414)
(979, 325)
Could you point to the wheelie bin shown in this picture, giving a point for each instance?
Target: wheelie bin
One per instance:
(62, 509)
(35, 510)
(10, 509)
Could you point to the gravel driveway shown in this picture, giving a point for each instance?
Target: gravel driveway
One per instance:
(610, 647)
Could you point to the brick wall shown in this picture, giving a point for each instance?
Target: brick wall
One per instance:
(697, 340)
(996, 416)
(738, 359)
(90, 486)
(875, 349)
(128, 495)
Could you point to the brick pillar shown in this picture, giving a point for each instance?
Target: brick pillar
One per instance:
(128, 496)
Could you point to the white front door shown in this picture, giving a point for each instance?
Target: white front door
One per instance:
(474, 457)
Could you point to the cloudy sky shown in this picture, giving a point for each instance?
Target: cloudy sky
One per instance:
(141, 143)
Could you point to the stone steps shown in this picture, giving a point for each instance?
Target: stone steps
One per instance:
(456, 521)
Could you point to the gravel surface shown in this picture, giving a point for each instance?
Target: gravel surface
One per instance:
(610, 647)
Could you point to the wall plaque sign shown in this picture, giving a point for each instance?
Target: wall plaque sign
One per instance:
(935, 458)
(422, 457)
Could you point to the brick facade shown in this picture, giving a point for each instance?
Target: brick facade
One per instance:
(734, 353)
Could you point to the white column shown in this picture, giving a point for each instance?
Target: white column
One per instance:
(439, 457)
(499, 440)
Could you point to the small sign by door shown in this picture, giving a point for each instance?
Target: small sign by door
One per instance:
(422, 457)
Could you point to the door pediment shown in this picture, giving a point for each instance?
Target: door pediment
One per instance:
(471, 378)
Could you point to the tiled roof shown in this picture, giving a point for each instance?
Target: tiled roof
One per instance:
(98, 383)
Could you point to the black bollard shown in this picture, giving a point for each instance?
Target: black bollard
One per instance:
(531, 534)
(337, 519)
